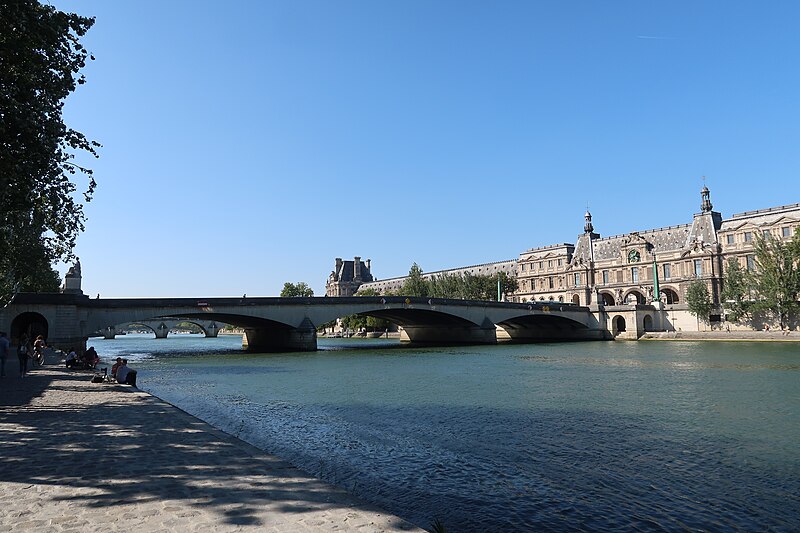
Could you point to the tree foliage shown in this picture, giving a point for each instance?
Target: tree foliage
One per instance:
(735, 291)
(698, 300)
(296, 290)
(40, 216)
(464, 286)
(415, 284)
(776, 279)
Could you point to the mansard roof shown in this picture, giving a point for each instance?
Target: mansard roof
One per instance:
(668, 239)
(347, 272)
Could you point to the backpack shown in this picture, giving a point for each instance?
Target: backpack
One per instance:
(23, 349)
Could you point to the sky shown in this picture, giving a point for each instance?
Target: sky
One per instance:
(249, 144)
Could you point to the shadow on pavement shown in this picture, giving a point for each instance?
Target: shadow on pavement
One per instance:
(136, 448)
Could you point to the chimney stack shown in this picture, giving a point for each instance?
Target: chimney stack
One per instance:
(357, 268)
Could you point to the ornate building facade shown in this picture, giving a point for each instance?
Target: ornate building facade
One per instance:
(649, 267)
(347, 277)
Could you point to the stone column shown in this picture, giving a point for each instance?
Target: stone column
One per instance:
(161, 331)
(211, 330)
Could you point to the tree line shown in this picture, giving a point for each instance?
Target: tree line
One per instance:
(767, 288)
(463, 286)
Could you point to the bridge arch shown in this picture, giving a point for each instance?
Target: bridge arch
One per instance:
(30, 324)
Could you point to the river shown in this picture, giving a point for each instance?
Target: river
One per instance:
(593, 436)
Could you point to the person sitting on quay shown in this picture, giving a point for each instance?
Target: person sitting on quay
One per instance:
(125, 374)
(90, 358)
(115, 367)
(72, 359)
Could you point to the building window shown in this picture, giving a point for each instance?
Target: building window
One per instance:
(751, 262)
(748, 236)
(541, 264)
(730, 239)
(550, 280)
(766, 234)
(786, 232)
(577, 279)
(605, 277)
(560, 262)
(698, 268)
(523, 267)
(635, 274)
(550, 264)
(667, 273)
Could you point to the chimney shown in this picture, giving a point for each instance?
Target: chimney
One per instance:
(338, 266)
(357, 268)
(369, 269)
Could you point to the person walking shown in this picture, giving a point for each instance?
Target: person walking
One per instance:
(23, 353)
(4, 347)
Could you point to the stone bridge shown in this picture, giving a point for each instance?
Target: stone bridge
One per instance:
(162, 327)
(290, 324)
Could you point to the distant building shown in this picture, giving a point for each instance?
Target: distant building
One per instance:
(347, 277)
(622, 270)
(484, 269)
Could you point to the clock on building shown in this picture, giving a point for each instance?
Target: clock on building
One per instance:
(633, 256)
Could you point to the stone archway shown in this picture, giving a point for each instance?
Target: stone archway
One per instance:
(634, 297)
(618, 325)
(607, 298)
(647, 323)
(576, 299)
(670, 296)
(30, 324)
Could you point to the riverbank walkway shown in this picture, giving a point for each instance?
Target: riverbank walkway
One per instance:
(81, 456)
(722, 335)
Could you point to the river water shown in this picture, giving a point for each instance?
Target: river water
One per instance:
(593, 436)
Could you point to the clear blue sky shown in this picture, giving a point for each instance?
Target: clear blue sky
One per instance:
(246, 144)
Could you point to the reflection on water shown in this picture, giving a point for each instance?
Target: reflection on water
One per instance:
(548, 437)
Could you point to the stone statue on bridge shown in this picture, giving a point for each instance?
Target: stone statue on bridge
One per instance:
(72, 279)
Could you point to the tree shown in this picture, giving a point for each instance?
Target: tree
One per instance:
(776, 279)
(698, 300)
(735, 291)
(369, 322)
(508, 284)
(415, 284)
(298, 290)
(40, 218)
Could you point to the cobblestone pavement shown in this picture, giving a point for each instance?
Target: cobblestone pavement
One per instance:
(80, 456)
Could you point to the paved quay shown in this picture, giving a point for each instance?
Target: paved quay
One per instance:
(81, 456)
(722, 335)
